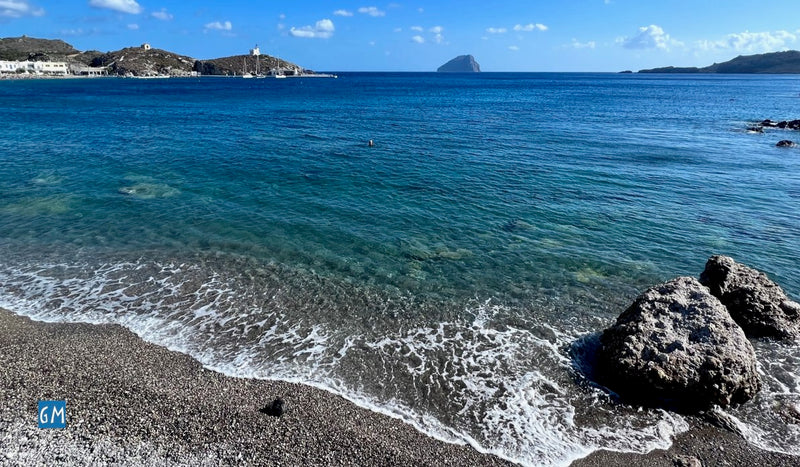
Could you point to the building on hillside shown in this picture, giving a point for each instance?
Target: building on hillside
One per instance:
(82, 70)
(146, 46)
(34, 68)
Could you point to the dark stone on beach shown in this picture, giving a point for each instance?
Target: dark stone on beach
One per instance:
(686, 461)
(785, 143)
(276, 408)
(722, 420)
(758, 304)
(676, 346)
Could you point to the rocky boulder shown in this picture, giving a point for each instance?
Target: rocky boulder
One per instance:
(790, 124)
(785, 143)
(759, 305)
(677, 346)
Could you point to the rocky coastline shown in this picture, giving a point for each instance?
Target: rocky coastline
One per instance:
(137, 61)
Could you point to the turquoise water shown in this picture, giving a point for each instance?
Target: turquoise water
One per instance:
(440, 275)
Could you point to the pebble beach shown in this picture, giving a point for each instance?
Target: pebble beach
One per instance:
(135, 403)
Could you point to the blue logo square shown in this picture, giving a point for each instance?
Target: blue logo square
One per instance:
(52, 414)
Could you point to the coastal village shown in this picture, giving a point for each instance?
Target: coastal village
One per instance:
(26, 58)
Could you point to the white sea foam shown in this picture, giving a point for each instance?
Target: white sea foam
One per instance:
(508, 390)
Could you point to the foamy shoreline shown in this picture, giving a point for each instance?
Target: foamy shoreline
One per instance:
(136, 403)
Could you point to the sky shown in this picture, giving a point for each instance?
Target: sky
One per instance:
(415, 35)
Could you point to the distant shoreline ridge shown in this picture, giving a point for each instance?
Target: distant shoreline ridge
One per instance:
(787, 62)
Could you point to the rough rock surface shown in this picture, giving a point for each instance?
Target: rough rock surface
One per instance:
(785, 143)
(677, 346)
(759, 305)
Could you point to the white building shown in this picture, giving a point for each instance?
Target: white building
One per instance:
(36, 68)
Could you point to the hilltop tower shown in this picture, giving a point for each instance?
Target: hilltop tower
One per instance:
(256, 53)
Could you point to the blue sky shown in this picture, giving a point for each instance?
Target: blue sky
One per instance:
(511, 35)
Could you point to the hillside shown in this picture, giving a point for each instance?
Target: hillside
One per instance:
(25, 48)
(777, 62)
(138, 61)
(235, 64)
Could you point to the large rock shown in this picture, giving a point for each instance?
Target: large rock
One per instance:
(460, 64)
(677, 346)
(759, 305)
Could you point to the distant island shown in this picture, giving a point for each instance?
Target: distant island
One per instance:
(30, 56)
(460, 64)
(777, 62)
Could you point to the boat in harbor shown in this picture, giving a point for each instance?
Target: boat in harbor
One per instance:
(245, 73)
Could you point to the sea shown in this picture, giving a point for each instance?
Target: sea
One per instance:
(452, 275)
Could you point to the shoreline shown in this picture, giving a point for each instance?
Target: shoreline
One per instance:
(132, 402)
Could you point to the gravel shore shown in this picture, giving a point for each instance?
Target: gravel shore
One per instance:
(134, 403)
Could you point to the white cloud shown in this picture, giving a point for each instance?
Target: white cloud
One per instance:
(756, 42)
(133, 27)
(530, 27)
(72, 32)
(18, 9)
(583, 45)
(163, 15)
(437, 29)
(323, 29)
(421, 10)
(123, 6)
(649, 37)
(496, 30)
(282, 16)
(342, 13)
(219, 26)
(418, 39)
(513, 48)
(398, 29)
(371, 10)
(417, 28)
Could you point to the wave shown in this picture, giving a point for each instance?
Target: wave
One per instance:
(485, 376)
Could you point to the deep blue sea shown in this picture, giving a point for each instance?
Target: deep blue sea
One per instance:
(440, 276)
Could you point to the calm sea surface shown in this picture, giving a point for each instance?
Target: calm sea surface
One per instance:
(441, 275)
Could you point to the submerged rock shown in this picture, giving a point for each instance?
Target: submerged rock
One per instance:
(790, 124)
(677, 346)
(759, 305)
(785, 143)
